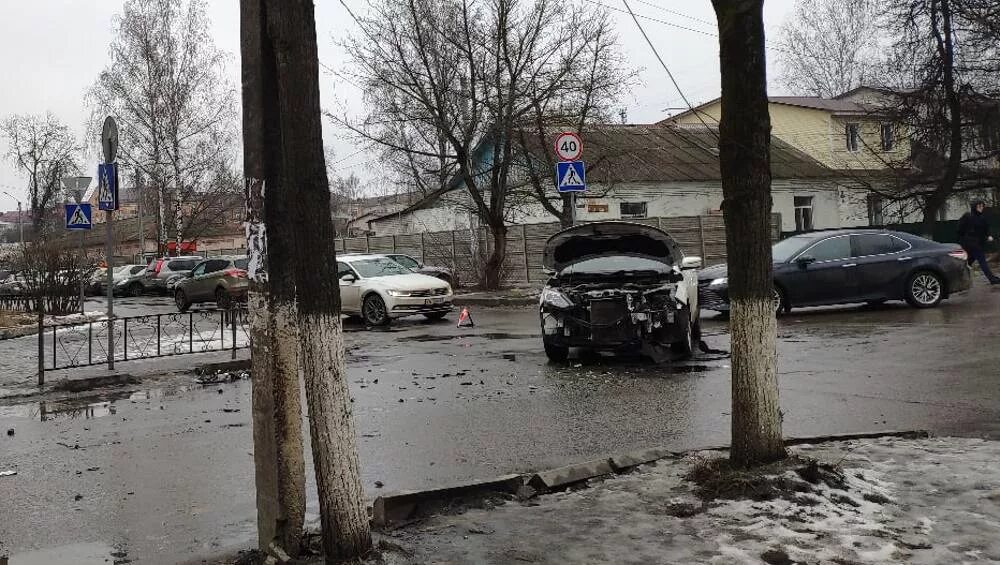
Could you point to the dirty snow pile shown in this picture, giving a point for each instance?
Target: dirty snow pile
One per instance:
(890, 500)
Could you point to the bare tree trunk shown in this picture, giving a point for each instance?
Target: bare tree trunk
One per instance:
(942, 31)
(277, 412)
(498, 255)
(290, 46)
(744, 147)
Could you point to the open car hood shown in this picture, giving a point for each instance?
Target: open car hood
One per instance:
(597, 239)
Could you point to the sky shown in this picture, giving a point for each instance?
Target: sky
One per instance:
(51, 52)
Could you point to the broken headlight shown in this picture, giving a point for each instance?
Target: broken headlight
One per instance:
(555, 299)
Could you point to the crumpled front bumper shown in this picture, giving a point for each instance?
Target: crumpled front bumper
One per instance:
(611, 324)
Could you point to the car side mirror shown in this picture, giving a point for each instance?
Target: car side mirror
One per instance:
(805, 260)
(348, 278)
(688, 263)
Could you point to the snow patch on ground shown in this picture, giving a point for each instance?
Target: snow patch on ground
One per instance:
(926, 501)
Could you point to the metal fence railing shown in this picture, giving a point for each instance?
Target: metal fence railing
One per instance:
(17, 303)
(71, 345)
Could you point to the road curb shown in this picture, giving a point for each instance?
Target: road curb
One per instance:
(89, 383)
(399, 508)
(222, 367)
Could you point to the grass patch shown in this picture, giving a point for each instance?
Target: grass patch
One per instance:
(15, 319)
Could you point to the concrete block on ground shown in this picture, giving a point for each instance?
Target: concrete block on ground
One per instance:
(565, 476)
(625, 461)
(907, 434)
(399, 507)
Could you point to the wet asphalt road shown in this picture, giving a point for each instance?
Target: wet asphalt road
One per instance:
(166, 473)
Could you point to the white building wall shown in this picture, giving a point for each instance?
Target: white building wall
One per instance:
(834, 205)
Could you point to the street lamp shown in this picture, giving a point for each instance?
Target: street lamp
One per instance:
(20, 219)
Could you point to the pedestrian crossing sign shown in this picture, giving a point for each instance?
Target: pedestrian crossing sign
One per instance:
(79, 217)
(570, 176)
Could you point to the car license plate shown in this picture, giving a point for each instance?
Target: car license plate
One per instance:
(430, 301)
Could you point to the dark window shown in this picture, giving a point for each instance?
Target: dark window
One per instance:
(137, 269)
(852, 134)
(199, 270)
(899, 245)
(215, 265)
(871, 244)
(242, 263)
(803, 213)
(876, 210)
(182, 264)
(405, 261)
(888, 140)
(831, 249)
(343, 269)
(632, 210)
(784, 249)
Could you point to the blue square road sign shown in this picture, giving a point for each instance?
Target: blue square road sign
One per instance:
(571, 176)
(79, 217)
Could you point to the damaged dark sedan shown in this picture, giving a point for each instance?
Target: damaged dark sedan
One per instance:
(619, 287)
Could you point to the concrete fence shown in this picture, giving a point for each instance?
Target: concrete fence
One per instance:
(704, 236)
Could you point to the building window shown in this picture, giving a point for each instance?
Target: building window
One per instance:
(942, 214)
(852, 133)
(632, 210)
(876, 210)
(803, 213)
(888, 140)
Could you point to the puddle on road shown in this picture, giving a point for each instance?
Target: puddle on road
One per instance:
(76, 554)
(86, 407)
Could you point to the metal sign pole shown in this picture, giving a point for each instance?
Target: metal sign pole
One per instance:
(83, 281)
(109, 252)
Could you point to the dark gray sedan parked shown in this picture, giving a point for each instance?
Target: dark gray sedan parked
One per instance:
(852, 266)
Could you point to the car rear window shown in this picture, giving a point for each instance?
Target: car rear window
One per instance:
(865, 245)
(182, 264)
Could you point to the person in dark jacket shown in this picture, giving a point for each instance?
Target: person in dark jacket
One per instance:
(973, 235)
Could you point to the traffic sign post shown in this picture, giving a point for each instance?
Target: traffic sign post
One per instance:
(570, 172)
(107, 200)
(79, 217)
(568, 146)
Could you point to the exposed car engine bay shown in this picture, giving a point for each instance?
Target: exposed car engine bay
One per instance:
(615, 313)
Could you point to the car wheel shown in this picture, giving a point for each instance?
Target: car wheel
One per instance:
(222, 299)
(373, 311)
(181, 300)
(685, 348)
(780, 301)
(436, 315)
(924, 289)
(135, 289)
(555, 353)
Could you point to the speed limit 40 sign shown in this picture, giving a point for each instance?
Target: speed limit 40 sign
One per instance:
(569, 146)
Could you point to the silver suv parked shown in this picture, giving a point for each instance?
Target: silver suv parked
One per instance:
(165, 269)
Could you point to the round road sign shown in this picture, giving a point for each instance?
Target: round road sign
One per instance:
(109, 140)
(569, 146)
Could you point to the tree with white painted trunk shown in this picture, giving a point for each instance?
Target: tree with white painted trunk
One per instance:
(744, 155)
(279, 39)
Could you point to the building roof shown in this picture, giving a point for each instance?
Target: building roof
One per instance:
(832, 105)
(675, 153)
(656, 153)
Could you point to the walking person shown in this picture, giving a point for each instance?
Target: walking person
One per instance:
(973, 235)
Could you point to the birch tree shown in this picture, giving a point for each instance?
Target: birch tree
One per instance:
(745, 161)
(166, 86)
(282, 114)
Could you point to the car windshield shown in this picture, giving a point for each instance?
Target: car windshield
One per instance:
(380, 267)
(610, 264)
(784, 249)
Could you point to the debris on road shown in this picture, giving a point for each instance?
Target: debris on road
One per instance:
(8, 473)
(223, 377)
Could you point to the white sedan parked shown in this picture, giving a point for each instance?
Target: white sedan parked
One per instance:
(378, 289)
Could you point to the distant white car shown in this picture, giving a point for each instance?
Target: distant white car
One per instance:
(378, 289)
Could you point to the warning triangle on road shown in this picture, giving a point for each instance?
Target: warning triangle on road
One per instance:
(79, 218)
